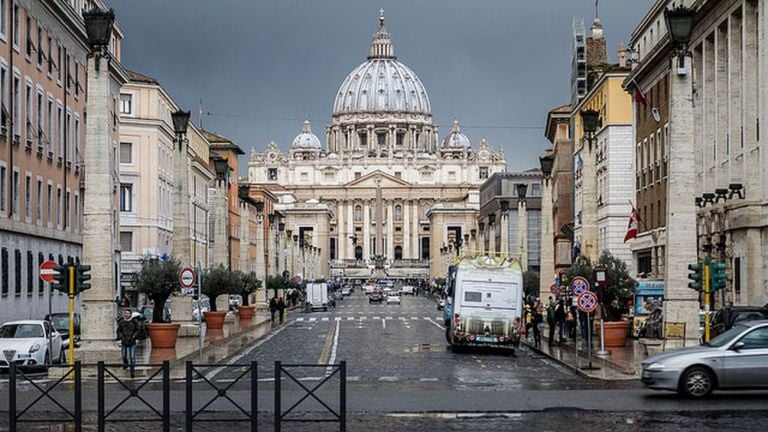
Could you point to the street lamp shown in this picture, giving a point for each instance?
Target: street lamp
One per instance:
(522, 189)
(589, 120)
(220, 165)
(180, 122)
(504, 204)
(281, 226)
(547, 163)
(271, 218)
(679, 27)
(98, 29)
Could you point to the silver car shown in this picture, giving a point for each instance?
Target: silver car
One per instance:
(735, 360)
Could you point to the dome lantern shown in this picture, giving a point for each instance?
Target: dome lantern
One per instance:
(306, 139)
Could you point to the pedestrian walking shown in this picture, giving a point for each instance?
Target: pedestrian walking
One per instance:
(128, 332)
(281, 308)
(538, 322)
(560, 315)
(517, 332)
(272, 308)
(551, 322)
(528, 317)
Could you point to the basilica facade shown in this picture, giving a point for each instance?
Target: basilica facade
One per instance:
(391, 188)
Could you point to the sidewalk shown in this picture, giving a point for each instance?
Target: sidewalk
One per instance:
(622, 364)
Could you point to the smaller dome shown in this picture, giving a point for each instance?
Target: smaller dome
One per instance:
(306, 139)
(456, 139)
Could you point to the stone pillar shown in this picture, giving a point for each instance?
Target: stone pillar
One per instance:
(350, 231)
(589, 231)
(99, 231)
(366, 230)
(492, 239)
(272, 238)
(406, 219)
(681, 303)
(340, 231)
(546, 274)
(522, 234)
(260, 247)
(504, 237)
(245, 240)
(181, 234)
(282, 256)
(416, 234)
(379, 218)
(390, 231)
(220, 225)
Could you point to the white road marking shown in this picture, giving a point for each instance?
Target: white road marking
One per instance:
(312, 319)
(415, 318)
(429, 379)
(237, 358)
(375, 318)
(389, 378)
(441, 327)
(350, 318)
(389, 317)
(325, 318)
(337, 319)
(300, 319)
(384, 323)
(329, 369)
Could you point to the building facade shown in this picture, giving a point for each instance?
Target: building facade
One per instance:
(381, 140)
(43, 58)
(561, 185)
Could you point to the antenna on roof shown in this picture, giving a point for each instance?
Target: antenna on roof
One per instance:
(597, 9)
(200, 114)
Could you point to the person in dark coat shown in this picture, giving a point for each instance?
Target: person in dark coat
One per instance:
(551, 322)
(560, 313)
(272, 308)
(281, 309)
(128, 332)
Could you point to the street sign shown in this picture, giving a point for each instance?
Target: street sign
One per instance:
(555, 288)
(47, 272)
(587, 302)
(579, 285)
(187, 277)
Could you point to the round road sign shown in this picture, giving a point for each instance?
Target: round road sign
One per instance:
(187, 277)
(579, 285)
(555, 288)
(587, 302)
(47, 272)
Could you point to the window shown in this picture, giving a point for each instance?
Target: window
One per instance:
(535, 190)
(363, 137)
(398, 174)
(17, 272)
(58, 62)
(126, 153)
(756, 339)
(77, 212)
(426, 175)
(49, 52)
(451, 175)
(76, 131)
(483, 173)
(68, 137)
(3, 188)
(28, 196)
(67, 210)
(60, 131)
(39, 201)
(4, 272)
(30, 272)
(77, 79)
(3, 92)
(126, 241)
(126, 103)
(15, 26)
(28, 114)
(304, 177)
(358, 213)
(15, 186)
(58, 207)
(399, 138)
(472, 296)
(28, 47)
(272, 174)
(358, 175)
(381, 139)
(3, 25)
(40, 283)
(50, 136)
(49, 213)
(398, 213)
(16, 108)
(39, 47)
(329, 176)
(39, 122)
(67, 75)
(126, 197)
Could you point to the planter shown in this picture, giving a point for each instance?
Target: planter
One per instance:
(246, 312)
(214, 320)
(615, 333)
(163, 335)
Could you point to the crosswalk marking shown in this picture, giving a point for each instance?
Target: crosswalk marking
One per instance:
(325, 318)
(312, 319)
(337, 319)
(406, 320)
(350, 318)
(300, 319)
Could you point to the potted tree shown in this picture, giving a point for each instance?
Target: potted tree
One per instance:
(248, 285)
(158, 280)
(218, 281)
(615, 293)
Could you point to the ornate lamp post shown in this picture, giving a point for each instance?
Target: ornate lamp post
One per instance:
(181, 235)
(547, 232)
(222, 251)
(522, 225)
(590, 120)
(504, 226)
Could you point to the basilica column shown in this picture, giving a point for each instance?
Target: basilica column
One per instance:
(391, 231)
(416, 234)
(366, 230)
(340, 244)
(406, 219)
(350, 230)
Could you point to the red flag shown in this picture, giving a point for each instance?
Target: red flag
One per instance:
(634, 217)
(640, 97)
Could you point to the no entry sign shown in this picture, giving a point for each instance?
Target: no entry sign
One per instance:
(187, 277)
(555, 289)
(47, 272)
(587, 302)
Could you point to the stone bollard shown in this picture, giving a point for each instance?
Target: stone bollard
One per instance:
(181, 312)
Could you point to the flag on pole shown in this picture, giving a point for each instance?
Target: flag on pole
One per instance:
(639, 95)
(229, 178)
(634, 217)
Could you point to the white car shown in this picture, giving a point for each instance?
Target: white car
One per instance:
(393, 297)
(27, 344)
(407, 289)
(346, 291)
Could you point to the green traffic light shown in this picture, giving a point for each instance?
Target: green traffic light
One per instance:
(60, 279)
(696, 277)
(82, 277)
(717, 276)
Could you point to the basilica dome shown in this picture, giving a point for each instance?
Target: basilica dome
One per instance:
(456, 139)
(382, 84)
(306, 139)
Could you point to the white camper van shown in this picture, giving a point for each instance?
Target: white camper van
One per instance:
(317, 295)
(483, 300)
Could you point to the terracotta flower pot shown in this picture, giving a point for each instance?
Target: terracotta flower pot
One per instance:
(163, 335)
(214, 320)
(246, 312)
(615, 333)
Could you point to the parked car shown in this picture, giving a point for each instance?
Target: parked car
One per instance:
(60, 322)
(234, 302)
(200, 306)
(735, 359)
(376, 297)
(393, 298)
(727, 317)
(30, 344)
(346, 291)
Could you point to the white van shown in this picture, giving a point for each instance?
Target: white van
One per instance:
(317, 295)
(483, 301)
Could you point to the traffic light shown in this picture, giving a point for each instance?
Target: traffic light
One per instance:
(61, 279)
(717, 276)
(696, 277)
(82, 277)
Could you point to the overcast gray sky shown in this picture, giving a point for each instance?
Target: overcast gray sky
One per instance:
(262, 66)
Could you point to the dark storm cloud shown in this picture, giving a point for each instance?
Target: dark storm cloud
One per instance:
(262, 66)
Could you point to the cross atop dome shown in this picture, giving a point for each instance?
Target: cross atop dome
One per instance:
(381, 45)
